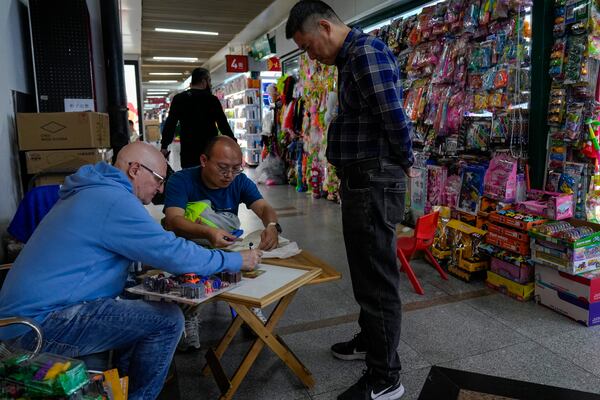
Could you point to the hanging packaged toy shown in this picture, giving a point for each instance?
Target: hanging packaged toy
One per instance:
(500, 180)
(471, 18)
(577, 16)
(557, 58)
(576, 46)
(556, 106)
(436, 181)
(573, 120)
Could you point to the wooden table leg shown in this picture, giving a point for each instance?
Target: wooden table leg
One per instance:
(234, 327)
(266, 336)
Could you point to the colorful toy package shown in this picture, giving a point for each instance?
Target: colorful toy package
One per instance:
(500, 180)
(551, 205)
(471, 188)
(42, 376)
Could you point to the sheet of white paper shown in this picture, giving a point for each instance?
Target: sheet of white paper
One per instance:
(78, 105)
(287, 251)
(271, 280)
(254, 238)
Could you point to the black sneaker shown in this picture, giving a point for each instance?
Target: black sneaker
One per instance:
(371, 388)
(353, 349)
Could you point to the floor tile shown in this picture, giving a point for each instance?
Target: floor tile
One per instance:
(527, 318)
(529, 361)
(454, 331)
(579, 346)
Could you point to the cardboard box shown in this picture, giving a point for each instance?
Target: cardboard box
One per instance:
(585, 287)
(566, 259)
(69, 130)
(64, 160)
(522, 273)
(522, 292)
(581, 311)
(53, 179)
(152, 133)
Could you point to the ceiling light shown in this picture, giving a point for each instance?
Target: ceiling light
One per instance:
(163, 81)
(186, 31)
(184, 59)
(155, 97)
(165, 73)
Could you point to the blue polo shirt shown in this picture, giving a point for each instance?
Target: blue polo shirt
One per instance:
(186, 186)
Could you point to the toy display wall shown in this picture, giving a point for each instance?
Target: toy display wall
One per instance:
(307, 106)
(573, 114)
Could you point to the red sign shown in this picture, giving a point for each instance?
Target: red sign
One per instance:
(154, 100)
(236, 63)
(273, 64)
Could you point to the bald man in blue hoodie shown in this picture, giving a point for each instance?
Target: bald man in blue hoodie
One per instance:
(74, 266)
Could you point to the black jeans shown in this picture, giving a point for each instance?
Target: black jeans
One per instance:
(373, 197)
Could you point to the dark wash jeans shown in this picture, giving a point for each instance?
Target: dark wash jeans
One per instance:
(373, 197)
(147, 334)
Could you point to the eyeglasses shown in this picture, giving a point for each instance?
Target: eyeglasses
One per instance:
(224, 171)
(159, 178)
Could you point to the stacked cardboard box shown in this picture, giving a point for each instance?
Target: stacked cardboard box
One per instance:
(56, 144)
(510, 269)
(567, 256)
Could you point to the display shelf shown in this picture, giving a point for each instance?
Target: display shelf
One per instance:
(240, 92)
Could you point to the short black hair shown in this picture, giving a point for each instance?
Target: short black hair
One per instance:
(199, 74)
(303, 11)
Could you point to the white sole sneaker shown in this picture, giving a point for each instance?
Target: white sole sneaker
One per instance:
(357, 355)
(396, 394)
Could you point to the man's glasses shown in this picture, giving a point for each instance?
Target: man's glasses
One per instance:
(159, 178)
(224, 171)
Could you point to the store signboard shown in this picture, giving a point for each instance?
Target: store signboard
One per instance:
(236, 63)
(273, 64)
(161, 100)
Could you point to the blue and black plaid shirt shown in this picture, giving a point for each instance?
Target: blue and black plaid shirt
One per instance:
(371, 122)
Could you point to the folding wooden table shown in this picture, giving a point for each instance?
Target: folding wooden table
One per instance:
(308, 269)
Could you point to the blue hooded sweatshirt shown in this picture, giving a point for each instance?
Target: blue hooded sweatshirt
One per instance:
(82, 249)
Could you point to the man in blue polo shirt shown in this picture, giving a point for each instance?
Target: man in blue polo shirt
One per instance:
(218, 181)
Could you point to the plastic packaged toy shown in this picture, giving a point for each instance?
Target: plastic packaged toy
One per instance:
(42, 376)
(500, 180)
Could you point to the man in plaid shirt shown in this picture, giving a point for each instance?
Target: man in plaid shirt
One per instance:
(369, 143)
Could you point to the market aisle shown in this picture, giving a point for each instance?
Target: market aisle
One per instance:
(455, 324)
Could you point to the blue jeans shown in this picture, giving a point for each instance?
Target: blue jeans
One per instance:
(373, 196)
(146, 332)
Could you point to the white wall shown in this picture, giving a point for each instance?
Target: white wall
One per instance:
(14, 75)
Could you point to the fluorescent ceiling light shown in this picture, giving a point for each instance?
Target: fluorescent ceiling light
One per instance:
(270, 74)
(155, 97)
(158, 90)
(163, 81)
(166, 73)
(184, 59)
(186, 31)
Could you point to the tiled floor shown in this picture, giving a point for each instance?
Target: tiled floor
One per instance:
(455, 324)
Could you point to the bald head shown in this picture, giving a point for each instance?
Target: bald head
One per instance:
(219, 144)
(140, 152)
(145, 167)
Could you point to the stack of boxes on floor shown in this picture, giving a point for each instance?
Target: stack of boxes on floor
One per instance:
(567, 257)
(510, 268)
(57, 144)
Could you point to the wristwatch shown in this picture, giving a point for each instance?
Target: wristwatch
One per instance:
(276, 225)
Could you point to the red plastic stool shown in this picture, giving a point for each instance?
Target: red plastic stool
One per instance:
(421, 240)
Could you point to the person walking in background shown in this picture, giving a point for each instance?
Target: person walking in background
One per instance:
(370, 145)
(199, 113)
